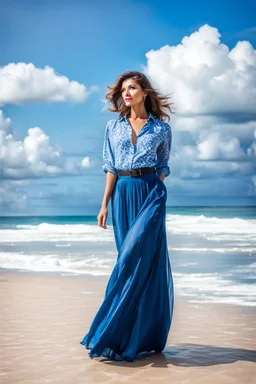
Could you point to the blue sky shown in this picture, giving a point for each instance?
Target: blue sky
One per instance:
(203, 52)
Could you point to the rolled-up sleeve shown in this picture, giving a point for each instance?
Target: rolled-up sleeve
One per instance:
(163, 151)
(108, 153)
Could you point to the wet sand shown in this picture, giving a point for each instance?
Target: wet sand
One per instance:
(44, 317)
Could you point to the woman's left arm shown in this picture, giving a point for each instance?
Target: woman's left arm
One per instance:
(163, 153)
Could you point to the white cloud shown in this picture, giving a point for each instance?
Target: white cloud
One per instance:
(204, 75)
(23, 82)
(213, 89)
(212, 150)
(34, 156)
(10, 200)
(216, 146)
(86, 162)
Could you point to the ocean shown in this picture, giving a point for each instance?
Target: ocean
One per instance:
(212, 250)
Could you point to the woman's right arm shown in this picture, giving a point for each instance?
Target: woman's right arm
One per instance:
(103, 214)
(111, 176)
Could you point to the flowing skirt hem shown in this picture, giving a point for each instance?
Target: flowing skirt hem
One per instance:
(110, 354)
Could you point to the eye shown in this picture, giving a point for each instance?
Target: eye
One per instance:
(132, 86)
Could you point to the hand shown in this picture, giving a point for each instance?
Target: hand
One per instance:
(161, 176)
(102, 217)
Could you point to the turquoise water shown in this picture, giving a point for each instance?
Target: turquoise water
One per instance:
(212, 250)
(220, 212)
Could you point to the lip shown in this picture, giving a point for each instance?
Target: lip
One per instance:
(128, 99)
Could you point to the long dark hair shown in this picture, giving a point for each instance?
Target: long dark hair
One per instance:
(154, 102)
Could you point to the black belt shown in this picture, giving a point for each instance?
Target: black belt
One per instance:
(137, 171)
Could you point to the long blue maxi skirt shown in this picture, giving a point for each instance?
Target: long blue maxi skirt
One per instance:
(137, 309)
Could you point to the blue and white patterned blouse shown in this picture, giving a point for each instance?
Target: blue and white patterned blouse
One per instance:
(152, 148)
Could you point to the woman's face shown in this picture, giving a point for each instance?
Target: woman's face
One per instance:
(132, 92)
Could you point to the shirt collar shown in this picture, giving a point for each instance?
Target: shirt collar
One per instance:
(149, 117)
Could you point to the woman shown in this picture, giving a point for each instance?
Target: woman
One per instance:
(137, 310)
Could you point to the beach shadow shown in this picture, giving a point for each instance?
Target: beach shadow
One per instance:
(189, 355)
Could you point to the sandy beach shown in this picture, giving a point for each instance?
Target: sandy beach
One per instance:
(44, 317)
